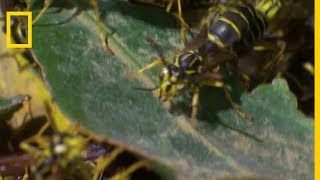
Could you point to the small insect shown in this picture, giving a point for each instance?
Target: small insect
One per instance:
(240, 23)
(74, 153)
(54, 153)
(53, 150)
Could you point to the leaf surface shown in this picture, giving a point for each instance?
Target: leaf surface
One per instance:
(91, 87)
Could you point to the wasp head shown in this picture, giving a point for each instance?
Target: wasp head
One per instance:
(176, 77)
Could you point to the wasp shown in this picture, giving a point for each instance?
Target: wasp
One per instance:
(54, 153)
(64, 152)
(198, 64)
(53, 149)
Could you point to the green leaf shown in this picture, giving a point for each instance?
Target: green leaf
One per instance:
(90, 87)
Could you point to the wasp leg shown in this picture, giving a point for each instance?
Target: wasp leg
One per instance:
(27, 100)
(235, 106)
(43, 128)
(125, 174)
(309, 67)
(169, 6)
(149, 66)
(47, 3)
(103, 39)
(180, 17)
(26, 174)
(276, 60)
(104, 162)
(184, 25)
(27, 145)
(195, 103)
(183, 36)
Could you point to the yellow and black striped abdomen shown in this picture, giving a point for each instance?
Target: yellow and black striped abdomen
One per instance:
(238, 23)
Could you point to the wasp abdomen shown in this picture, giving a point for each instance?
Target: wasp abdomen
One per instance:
(256, 29)
(238, 23)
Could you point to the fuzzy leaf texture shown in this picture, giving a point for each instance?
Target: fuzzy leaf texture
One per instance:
(91, 87)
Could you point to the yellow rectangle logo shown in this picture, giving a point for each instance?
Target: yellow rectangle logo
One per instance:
(29, 29)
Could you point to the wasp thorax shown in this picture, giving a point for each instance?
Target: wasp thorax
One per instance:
(175, 77)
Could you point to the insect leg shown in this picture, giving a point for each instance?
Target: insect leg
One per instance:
(195, 103)
(180, 17)
(169, 6)
(126, 173)
(104, 162)
(47, 3)
(184, 25)
(309, 67)
(278, 58)
(235, 106)
(104, 41)
(27, 145)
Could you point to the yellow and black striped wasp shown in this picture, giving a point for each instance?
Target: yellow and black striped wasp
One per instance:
(72, 152)
(199, 63)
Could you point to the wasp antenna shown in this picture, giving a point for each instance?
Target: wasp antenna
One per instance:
(149, 66)
(158, 49)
